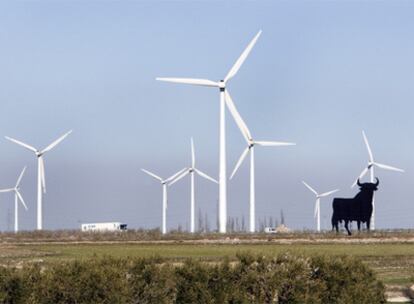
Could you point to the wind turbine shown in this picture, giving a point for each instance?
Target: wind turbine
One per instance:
(17, 197)
(164, 183)
(317, 214)
(192, 170)
(370, 168)
(221, 85)
(250, 148)
(41, 182)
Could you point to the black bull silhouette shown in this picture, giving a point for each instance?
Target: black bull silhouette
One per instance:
(357, 209)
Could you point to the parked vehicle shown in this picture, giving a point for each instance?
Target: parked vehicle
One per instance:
(100, 227)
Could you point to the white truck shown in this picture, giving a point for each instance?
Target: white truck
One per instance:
(103, 227)
(270, 230)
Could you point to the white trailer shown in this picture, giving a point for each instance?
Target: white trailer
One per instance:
(270, 230)
(102, 227)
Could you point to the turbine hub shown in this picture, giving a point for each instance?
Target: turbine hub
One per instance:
(222, 85)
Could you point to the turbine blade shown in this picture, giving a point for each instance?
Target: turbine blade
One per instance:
(56, 142)
(328, 193)
(386, 167)
(192, 153)
(233, 71)
(193, 81)
(365, 171)
(6, 190)
(239, 162)
(274, 143)
(21, 199)
(22, 144)
(42, 173)
(152, 174)
(237, 118)
(20, 177)
(310, 188)
(202, 174)
(371, 157)
(182, 175)
(175, 175)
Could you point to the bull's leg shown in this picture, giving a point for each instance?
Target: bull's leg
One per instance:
(347, 228)
(334, 224)
(359, 225)
(368, 223)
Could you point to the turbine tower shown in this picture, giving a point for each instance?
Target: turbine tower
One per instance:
(250, 148)
(317, 212)
(17, 197)
(41, 182)
(192, 170)
(164, 183)
(370, 168)
(221, 85)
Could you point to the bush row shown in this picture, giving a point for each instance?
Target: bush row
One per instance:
(251, 279)
(156, 235)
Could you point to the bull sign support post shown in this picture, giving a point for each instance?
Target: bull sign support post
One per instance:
(370, 167)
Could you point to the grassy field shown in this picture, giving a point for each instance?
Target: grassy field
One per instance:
(389, 253)
(393, 262)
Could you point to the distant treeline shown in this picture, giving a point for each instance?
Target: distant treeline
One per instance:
(251, 279)
(150, 235)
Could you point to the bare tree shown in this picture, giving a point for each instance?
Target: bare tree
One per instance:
(206, 223)
(217, 216)
(200, 220)
(261, 225)
(243, 223)
(271, 221)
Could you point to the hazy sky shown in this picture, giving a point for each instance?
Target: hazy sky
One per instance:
(319, 74)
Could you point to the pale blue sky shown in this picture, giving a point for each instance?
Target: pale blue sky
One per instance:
(319, 74)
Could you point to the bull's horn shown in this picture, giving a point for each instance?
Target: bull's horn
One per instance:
(358, 183)
(377, 183)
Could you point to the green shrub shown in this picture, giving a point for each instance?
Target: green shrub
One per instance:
(94, 281)
(151, 281)
(11, 287)
(347, 280)
(250, 279)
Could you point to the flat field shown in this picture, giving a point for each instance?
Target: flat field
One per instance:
(393, 262)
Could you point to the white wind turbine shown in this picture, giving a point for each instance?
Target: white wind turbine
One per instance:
(192, 170)
(164, 183)
(250, 148)
(370, 167)
(41, 182)
(317, 211)
(221, 85)
(17, 197)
